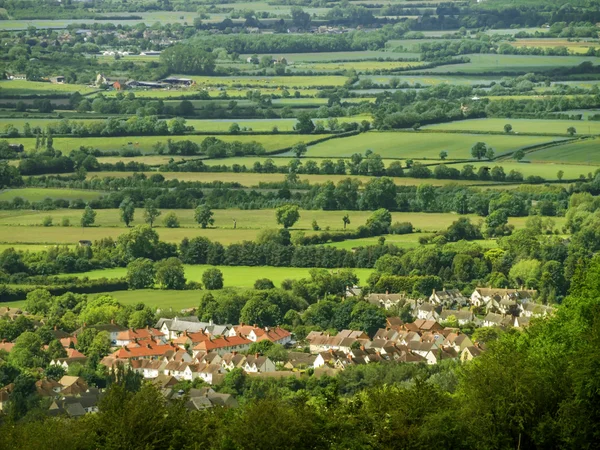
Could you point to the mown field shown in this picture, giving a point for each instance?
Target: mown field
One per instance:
(236, 276)
(145, 144)
(520, 125)
(419, 145)
(579, 152)
(39, 194)
(23, 87)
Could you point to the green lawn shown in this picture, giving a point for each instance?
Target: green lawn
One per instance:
(520, 125)
(233, 276)
(419, 145)
(145, 143)
(39, 194)
(578, 152)
(23, 87)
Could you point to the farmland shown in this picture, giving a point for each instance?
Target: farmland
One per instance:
(293, 82)
(580, 152)
(531, 126)
(419, 145)
(35, 195)
(22, 87)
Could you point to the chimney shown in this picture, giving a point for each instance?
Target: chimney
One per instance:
(256, 355)
(362, 347)
(387, 292)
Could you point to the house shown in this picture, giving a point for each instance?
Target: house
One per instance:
(394, 323)
(328, 358)
(141, 334)
(233, 360)
(442, 353)
(276, 335)
(173, 328)
(47, 388)
(354, 291)
(209, 372)
(535, 310)
(422, 348)
(482, 296)
(457, 341)
(148, 368)
(299, 361)
(142, 350)
(425, 325)
(386, 300)
(58, 80)
(448, 298)
(223, 345)
(462, 317)
(73, 357)
(521, 322)
(189, 340)
(427, 311)
(497, 320)
(175, 81)
(72, 385)
(468, 353)
(112, 329)
(257, 363)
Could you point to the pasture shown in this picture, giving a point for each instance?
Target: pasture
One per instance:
(39, 194)
(520, 126)
(145, 144)
(547, 171)
(481, 63)
(419, 145)
(359, 66)
(578, 152)
(292, 82)
(574, 47)
(432, 80)
(293, 58)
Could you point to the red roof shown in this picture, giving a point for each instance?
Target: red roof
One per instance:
(140, 334)
(66, 342)
(6, 346)
(193, 337)
(271, 334)
(146, 349)
(222, 342)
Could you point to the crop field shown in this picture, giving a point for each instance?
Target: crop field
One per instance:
(273, 82)
(520, 125)
(419, 145)
(23, 87)
(512, 63)
(145, 143)
(579, 152)
(253, 179)
(580, 47)
(38, 194)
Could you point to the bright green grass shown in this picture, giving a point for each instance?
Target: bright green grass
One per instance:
(23, 87)
(359, 66)
(578, 152)
(29, 247)
(520, 125)
(145, 143)
(432, 80)
(253, 179)
(39, 194)
(517, 63)
(270, 81)
(333, 56)
(233, 276)
(419, 145)
(547, 171)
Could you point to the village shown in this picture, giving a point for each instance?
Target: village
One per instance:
(184, 348)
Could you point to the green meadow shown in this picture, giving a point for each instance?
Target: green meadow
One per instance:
(578, 152)
(520, 126)
(39, 194)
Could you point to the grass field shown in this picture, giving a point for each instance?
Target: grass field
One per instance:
(39, 194)
(214, 92)
(520, 125)
(236, 276)
(359, 66)
(23, 87)
(145, 143)
(253, 179)
(419, 145)
(512, 63)
(432, 80)
(333, 56)
(268, 81)
(547, 171)
(579, 152)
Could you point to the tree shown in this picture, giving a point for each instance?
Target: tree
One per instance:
(47, 221)
(379, 222)
(560, 175)
(27, 351)
(140, 274)
(212, 278)
(519, 155)
(425, 195)
(88, 217)
(170, 273)
(234, 128)
(151, 212)
(479, 150)
(171, 220)
(346, 220)
(300, 18)
(571, 131)
(508, 128)
(304, 124)
(127, 210)
(287, 215)
(140, 242)
(443, 155)
(263, 284)
(368, 318)
(489, 153)
(203, 216)
(299, 149)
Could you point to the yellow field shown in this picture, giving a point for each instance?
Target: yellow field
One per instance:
(573, 47)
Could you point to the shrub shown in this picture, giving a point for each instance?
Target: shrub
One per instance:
(65, 222)
(47, 222)
(171, 220)
(401, 228)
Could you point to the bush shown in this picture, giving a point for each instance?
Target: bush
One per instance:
(263, 284)
(47, 222)
(213, 278)
(401, 228)
(65, 222)
(171, 220)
